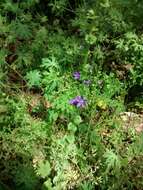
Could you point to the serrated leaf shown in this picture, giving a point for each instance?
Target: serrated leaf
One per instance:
(33, 78)
(112, 160)
(21, 30)
(49, 63)
(44, 169)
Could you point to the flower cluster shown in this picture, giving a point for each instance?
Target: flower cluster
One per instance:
(78, 101)
(76, 76)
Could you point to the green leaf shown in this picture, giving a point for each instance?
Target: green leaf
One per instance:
(90, 39)
(2, 57)
(47, 185)
(50, 63)
(33, 78)
(106, 4)
(20, 30)
(101, 104)
(77, 120)
(112, 160)
(10, 6)
(72, 127)
(70, 138)
(44, 169)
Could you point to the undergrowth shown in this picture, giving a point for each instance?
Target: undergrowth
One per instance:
(68, 70)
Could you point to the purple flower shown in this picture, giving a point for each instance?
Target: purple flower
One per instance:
(78, 101)
(73, 101)
(87, 82)
(76, 75)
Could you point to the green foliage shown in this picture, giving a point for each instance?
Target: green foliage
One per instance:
(112, 161)
(49, 141)
(33, 78)
(44, 169)
(130, 48)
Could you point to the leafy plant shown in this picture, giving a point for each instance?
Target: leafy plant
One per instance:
(66, 70)
(33, 78)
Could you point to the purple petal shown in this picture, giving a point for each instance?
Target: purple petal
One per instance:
(73, 102)
(76, 75)
(81, 104)
(78, 101)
